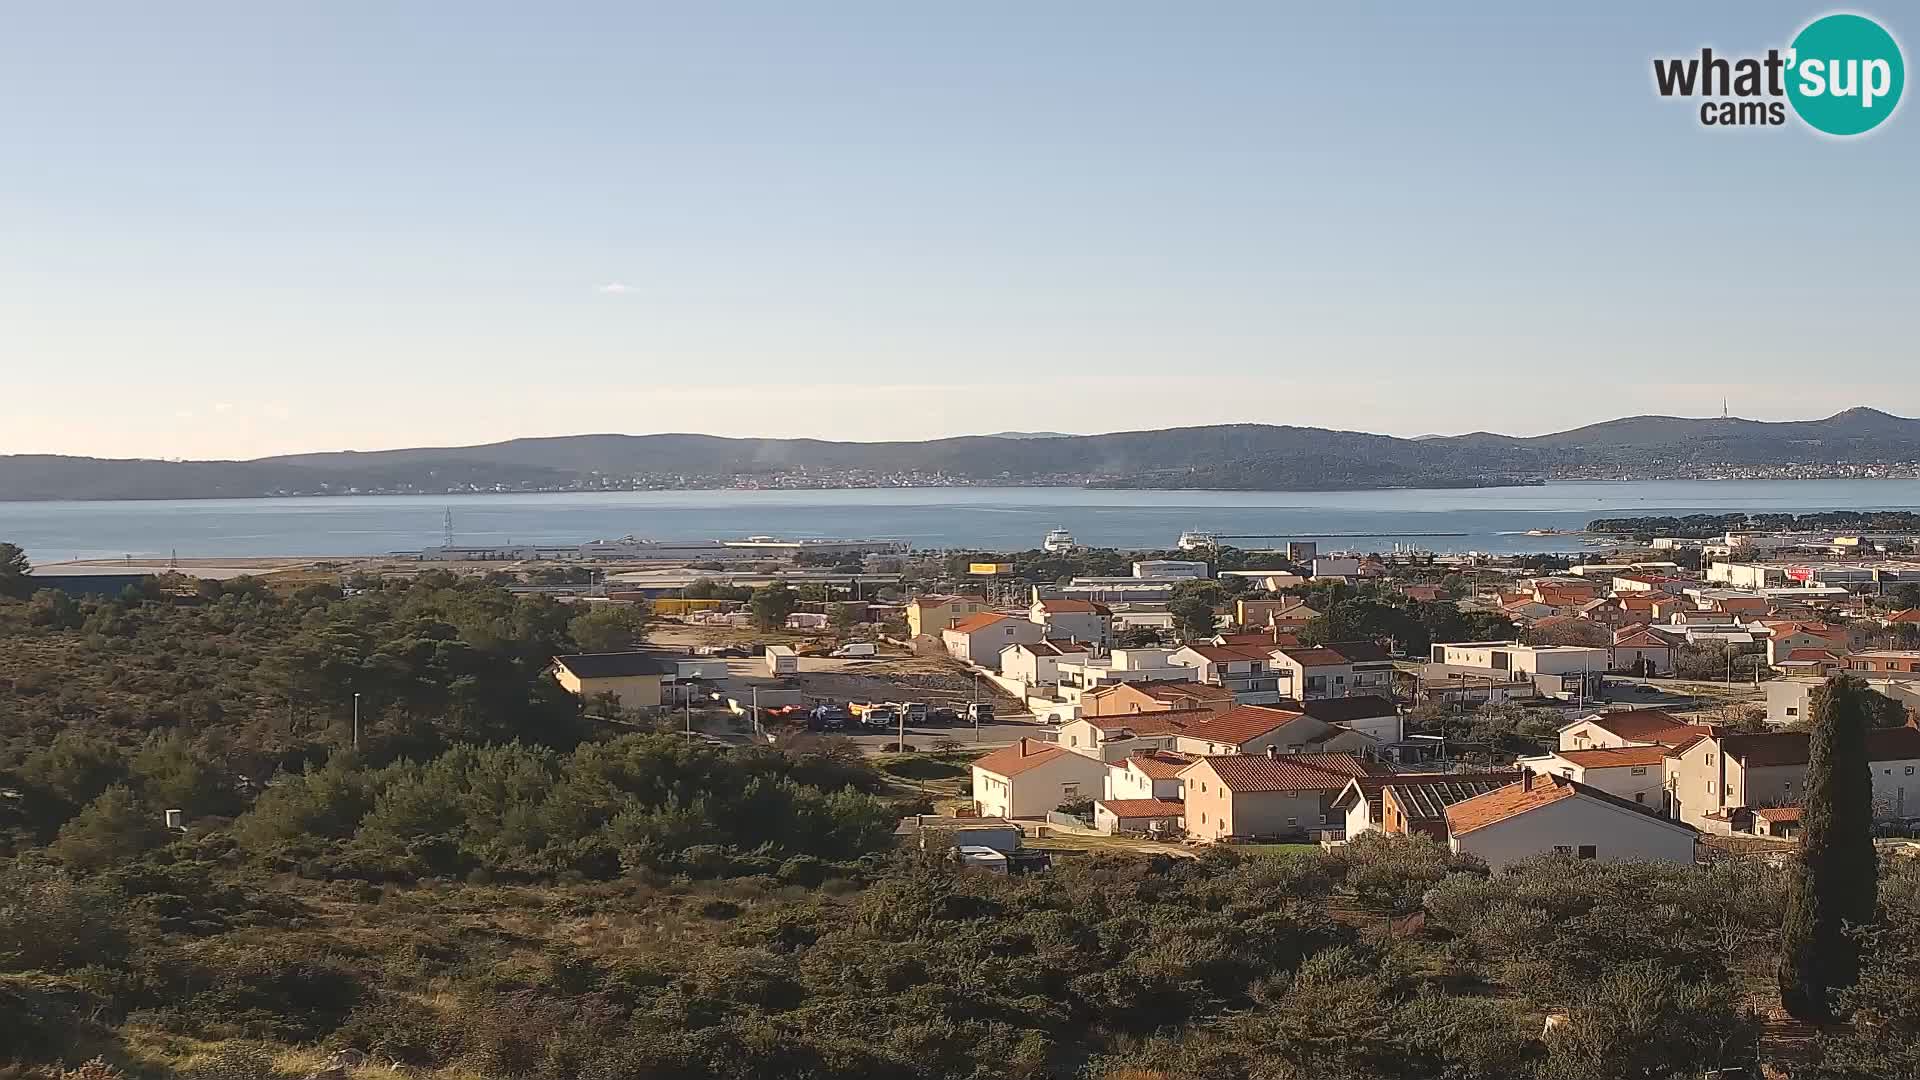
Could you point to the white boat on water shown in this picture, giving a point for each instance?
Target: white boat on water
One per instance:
(1196, 541)
(1058, 540)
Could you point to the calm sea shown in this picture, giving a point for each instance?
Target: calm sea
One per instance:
(1003, 519)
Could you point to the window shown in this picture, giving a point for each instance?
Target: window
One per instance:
(1640, 797)
(1709, 759)
(1588, 851)
(1069, 792)
(1203, 817)
(1639, 770)
(1793, 710)
(1293, 823)
(1323, 819)
(1073, 740)
(1563, 849)
(1709, 787)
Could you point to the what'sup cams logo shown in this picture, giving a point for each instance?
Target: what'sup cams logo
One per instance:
(1842, 76)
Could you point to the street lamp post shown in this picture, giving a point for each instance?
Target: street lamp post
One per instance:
(356, 721)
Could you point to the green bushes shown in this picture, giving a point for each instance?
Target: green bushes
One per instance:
(636, 803)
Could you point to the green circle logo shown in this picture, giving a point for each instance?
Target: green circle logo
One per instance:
(1845, 74)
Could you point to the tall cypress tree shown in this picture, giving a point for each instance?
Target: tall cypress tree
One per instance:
(1835, 880)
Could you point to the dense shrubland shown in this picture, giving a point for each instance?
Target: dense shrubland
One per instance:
(492, 886)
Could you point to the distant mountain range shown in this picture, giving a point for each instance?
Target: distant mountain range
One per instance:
(1247, 457)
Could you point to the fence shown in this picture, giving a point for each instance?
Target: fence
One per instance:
(1068, 821)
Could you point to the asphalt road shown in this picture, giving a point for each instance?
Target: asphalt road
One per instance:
(1002, 731)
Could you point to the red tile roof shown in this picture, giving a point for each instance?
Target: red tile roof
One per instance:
(1239, 725)
(1777, 813)
(976, 623)
(1532, 793)
(1905, 615)
(1321, 657)
(1644, 725)
(1011, 761)
(1157, 764)
(1139, 808)
(1157, 722)
(1244, 773)
(1614, 757)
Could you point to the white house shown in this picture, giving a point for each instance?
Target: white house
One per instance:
(1634, 773)
(1113, 738)
(1248, 671)
(1150, 774)
(1370, 714)
(978, 639)
(1074, 620)
(1031, 779)
(1253, 729)
(1308, 673)
(1627, 727)
(1037, 663)
(1545, 814)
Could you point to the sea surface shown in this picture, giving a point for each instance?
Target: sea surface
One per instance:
(998, 519)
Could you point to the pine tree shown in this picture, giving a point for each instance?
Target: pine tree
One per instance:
(1835, 881)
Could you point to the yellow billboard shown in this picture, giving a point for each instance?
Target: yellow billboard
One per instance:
(990, 568)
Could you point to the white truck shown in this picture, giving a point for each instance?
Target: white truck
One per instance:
(855, 649)
(782, 660)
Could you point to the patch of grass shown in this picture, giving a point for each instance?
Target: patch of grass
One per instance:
(1276, 849)
(920, 766)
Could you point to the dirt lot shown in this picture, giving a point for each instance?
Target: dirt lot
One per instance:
(886, 679)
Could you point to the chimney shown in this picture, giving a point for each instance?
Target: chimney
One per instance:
(1273, 751)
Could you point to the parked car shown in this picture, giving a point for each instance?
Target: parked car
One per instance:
(856, 648)
(828, 718)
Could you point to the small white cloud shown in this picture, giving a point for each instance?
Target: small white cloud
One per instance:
(617, 288)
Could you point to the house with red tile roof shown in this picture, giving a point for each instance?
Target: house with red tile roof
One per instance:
(1626, 727)
(1553, 815)
(1784, 637)
(1150, 774)
(1712, 781)
(1639, 651)
(1637, 774)
(1037, 663)
(1075, 620)
(1269, 795)
(1255, 729)
(934, 613)
(978, 639)
(1151, 816)
(1113, 738)
(1030, 779)
(1419, 805)
(1154, 696)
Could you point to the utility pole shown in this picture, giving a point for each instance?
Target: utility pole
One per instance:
(973, 707)
(756, 710)
(356, 721)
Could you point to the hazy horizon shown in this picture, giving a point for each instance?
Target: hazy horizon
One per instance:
(235, 232)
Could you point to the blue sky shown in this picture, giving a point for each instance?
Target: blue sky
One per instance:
(238, 229)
